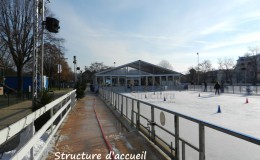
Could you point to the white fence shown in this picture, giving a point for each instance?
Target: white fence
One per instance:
(59, 109)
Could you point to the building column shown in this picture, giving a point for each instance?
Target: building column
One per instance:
(96, 82)
(153, 79)
(104, 81)
(125, 83)
(179, 79)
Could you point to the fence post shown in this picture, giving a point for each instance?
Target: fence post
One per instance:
(122, 101)
(152, 124)
(50, 118)
(61, 104)
(183, 150)
(111, 98)
(118, 102)
(115, 97)
(132, 113)
(138, 116)
(201, 142)
(177, 146)
(126, 106)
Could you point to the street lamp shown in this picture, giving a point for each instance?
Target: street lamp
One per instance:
(75, 74)
(198, 67)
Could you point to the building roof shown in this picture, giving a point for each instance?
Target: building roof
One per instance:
(143, 66)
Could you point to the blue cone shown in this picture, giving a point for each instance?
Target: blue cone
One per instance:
(164, 99)
(219, 110)
(145, 96)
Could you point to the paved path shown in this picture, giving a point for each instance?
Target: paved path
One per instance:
(81, 134)
(15, 112)
(11, 114)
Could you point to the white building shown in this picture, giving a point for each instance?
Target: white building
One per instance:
(138, 75)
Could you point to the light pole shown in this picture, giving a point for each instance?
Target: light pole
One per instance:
(59, 70)
(42, 45)
(198, 67)
(75, 72)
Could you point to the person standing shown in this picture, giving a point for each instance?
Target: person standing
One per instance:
(217, 87)
(205, 86)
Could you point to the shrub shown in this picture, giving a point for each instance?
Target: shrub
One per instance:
(46, 98)
(80, 87)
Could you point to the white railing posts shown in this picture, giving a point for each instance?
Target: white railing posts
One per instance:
(17, 127)
(177, 146)
(201, 142)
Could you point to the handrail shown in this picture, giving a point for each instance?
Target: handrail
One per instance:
(113, 99)
(243, 136)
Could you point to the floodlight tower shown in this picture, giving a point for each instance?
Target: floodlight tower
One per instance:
(36, 87)
(52, 25)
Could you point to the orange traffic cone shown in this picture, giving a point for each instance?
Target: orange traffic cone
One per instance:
(247, 100)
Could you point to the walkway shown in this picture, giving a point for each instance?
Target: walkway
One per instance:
(81, 134)
(13, 113)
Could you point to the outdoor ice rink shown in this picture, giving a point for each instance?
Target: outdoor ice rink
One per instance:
(239, 112)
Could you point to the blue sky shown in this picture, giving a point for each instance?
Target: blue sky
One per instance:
(123, 31)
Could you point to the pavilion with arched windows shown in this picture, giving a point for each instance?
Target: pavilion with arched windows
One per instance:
(138, 75)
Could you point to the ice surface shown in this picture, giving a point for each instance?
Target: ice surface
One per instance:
(235, 114)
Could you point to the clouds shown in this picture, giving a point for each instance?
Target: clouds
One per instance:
(124, 31)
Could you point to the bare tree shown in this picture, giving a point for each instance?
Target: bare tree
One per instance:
(94, 68)
(97, 67)
(165, 64)
(227, 65)
(205, 67)
(16, 32)
(192, 75)
(253, 56)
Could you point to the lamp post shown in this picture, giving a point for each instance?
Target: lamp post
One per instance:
(75, 72)
(59, 70)
(198, 67)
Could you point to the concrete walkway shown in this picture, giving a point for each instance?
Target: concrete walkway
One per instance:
(80, 134)
(13, 113)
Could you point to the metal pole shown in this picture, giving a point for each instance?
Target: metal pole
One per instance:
(198, 68)
(35, 53)
(59, 70)
(201, 142)
(75, 74)
(177, 147)
(42, 55)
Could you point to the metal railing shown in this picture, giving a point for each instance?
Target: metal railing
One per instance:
(58, 108)
(13, 98)
(174, 137)
(235, 89)
(143, 88)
